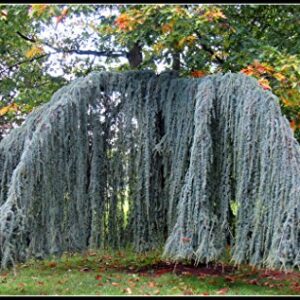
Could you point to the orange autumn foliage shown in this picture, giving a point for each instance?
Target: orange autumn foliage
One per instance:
(198, 73)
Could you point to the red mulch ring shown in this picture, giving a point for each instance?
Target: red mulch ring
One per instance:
(280, 275)
(184, 269)
(262, 277)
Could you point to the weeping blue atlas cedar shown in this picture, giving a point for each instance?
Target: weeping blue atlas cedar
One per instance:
(144, 160)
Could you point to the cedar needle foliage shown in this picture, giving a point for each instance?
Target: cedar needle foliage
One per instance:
(120, 159)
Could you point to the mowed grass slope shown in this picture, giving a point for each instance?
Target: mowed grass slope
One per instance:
(127, 273)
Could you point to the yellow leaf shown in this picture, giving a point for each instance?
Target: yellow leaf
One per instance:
(181, 42)
(14, 107)
(285, 101)
(214, 14)
(264, 83)
(191, 39)
(8, 108)
(34, 51)
(38, 9)
(279, 76)
(4, 111)
(267, 68)
(158, 47)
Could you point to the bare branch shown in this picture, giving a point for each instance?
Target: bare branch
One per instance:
(77, 51)
(32, 40)
(25, 61)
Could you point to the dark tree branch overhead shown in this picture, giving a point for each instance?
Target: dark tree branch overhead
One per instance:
(93, 52)
(24, 62)
(32, 40)
(134, 55)
(209, 50)
(106, 53)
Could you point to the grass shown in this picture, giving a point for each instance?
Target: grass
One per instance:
(127, 273)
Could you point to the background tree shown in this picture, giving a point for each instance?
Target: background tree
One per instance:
(195, 40)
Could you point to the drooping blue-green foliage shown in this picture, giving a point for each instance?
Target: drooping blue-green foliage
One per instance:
(134, 158)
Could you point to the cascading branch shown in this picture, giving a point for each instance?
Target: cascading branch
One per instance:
(118, 159)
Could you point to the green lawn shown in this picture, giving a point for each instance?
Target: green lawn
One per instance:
(126, 273)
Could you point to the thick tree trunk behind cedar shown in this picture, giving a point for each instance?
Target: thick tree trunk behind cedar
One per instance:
(176, 61)
(135, 56)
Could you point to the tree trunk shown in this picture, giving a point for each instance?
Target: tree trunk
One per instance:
(176, 61)
(135, 56)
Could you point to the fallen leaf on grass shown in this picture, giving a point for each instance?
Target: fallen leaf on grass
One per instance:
(270, 285)
(230, 279)
(222, 291)
(115, 283)
(100, 284)
(98, 277)
(52, 264)
(151, 284)
(128, 291)
(296, 289)
(188, 292)
(40, 283)
(21, 284)
(157, 292)
(253, 281)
